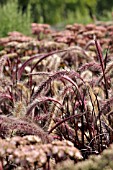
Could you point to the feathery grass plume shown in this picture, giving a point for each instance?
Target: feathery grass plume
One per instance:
(51, 78)
(24, 91)
(57, 75)
(93, 66)
(14, 126)
(19, 109)
(74, 74)
(41, 73)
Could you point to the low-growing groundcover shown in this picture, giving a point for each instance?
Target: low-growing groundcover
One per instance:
(56, 98)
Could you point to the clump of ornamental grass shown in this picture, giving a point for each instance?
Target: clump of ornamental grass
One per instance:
(58, 89)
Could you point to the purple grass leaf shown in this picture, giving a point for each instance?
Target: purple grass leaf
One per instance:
(21, 69)
(64, 120)
(41, 57)
(73, 83)
(40, 100)
(4, 96)
(91, 42)
(100, 55)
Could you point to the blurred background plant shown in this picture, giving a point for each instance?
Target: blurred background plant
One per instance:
(12, 19)
(18, 14)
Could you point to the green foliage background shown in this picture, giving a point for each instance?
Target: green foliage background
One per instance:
(18, 14)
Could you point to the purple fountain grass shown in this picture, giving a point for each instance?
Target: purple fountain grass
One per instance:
(47, 82)
(11, 125)
(57, 75)
(93, 66)
(63, 94)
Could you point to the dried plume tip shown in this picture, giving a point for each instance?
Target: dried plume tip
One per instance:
(13, 126)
